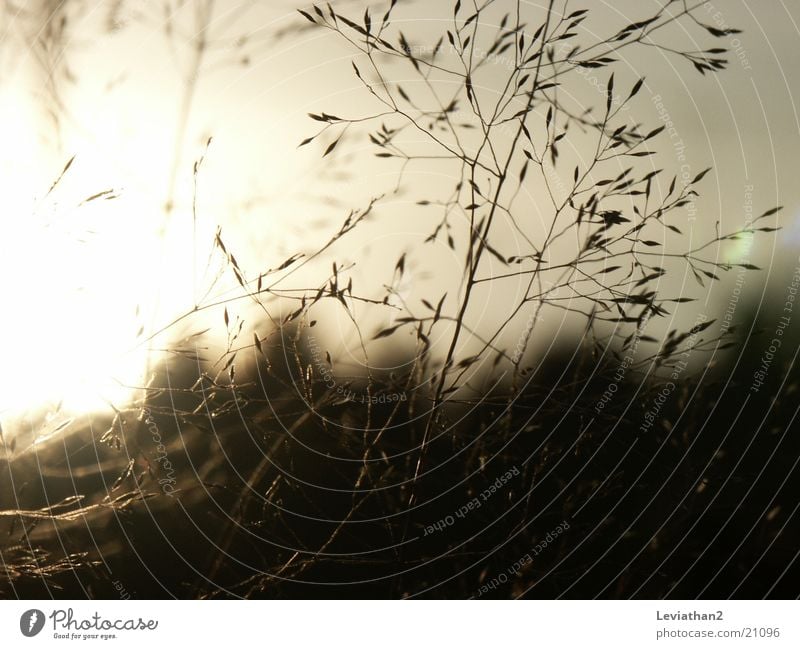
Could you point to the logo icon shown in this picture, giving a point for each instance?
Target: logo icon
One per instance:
(31, 622)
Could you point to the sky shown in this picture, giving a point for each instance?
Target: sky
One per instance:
(119, 89)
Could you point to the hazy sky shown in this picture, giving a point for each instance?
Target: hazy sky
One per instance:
(107, 83)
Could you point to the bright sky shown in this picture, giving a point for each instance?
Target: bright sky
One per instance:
(79, 282)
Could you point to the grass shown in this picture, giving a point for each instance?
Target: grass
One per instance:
(476, 466)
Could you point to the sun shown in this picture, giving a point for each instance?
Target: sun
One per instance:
(68, 330)
(83, 274)
(91, 266)
(91, 263)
